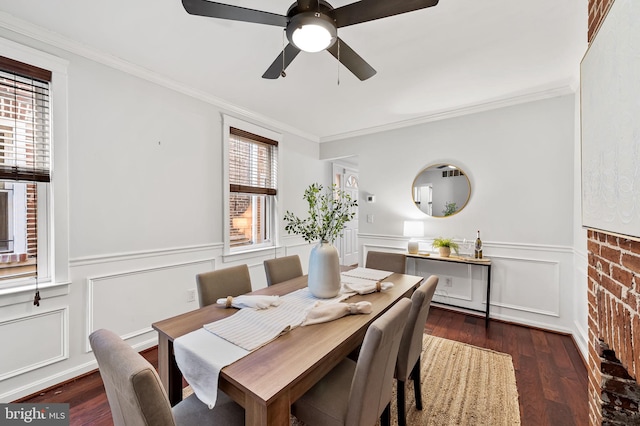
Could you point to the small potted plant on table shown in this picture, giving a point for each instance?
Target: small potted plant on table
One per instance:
(444, 246)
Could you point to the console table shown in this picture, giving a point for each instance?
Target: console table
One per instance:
(466, 261)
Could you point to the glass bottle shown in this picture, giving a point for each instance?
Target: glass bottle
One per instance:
(478, 248)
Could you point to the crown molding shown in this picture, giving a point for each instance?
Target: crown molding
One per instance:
(38, 33)
(553, 90)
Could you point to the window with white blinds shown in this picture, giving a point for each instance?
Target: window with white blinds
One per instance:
(25, 152)
(25, 158)
(253, 179)
(253, 163)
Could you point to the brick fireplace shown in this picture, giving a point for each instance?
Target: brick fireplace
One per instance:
(614, 329)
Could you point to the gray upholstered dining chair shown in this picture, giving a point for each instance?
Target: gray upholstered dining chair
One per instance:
(136, 395)
(409, 364)
(221, 283)
(358, 393)
(384, 261)
(282, 269)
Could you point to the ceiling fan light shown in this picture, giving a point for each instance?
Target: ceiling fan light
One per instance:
(311, 38)
(311, 32)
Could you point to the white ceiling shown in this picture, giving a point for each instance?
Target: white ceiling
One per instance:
(455, 55)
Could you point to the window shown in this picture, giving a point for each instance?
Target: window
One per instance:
(24, 168)
(252, 175)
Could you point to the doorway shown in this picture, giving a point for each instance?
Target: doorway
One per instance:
(345, 177)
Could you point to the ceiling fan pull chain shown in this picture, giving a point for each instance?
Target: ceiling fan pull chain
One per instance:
(282, 73)
(338, 41)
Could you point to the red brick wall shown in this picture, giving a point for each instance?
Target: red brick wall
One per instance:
(597, 11)
(613, 285)
(32, 220)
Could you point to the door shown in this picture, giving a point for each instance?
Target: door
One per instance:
(347, 180)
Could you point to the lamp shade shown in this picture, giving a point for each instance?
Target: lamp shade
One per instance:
(413, 228)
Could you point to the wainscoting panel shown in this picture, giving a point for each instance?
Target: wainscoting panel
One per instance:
(129, 302)
(455, 280)
(40, 339)
(459, 284)
(526, 281)
(529, 285)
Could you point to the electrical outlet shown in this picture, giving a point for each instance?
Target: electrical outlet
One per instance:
(369, 218)
(448, 282)
(191, 295)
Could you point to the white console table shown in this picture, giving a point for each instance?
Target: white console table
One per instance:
(466, 261)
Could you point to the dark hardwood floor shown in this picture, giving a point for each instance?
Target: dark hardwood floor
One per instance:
(550, 374)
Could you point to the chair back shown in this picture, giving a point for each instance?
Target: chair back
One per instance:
(221, 283)
(411, 343)
(282, 269)
(134, 391)
(372, 384)
(393, 262)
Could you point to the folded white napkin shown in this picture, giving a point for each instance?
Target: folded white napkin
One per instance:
(324, 312)
(250, 301)
(367, 273)
(363, 286)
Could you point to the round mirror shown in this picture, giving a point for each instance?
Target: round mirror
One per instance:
(441, 190)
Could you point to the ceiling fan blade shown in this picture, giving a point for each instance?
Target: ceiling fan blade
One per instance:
(275, 70)
(369, 10)
(234, 13)
(350, 59)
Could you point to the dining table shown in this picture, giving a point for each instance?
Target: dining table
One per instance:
(269, 379)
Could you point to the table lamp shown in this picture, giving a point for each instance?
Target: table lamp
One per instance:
(413, 229)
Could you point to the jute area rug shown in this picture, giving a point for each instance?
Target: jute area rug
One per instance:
(461, 385)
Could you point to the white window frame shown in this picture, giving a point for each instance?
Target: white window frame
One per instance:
(10, 215)
(272, 202)
(53, 225)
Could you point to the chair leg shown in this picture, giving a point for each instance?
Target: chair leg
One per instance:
(415, 375)
(402, 412)
(385, 418)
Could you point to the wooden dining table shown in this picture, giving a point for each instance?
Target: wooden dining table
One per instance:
(268, 380)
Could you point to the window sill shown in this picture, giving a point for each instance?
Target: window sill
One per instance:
(25, 292)
(248, 254)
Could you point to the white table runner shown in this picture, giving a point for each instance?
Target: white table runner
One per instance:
(201, 354)
(250, 329)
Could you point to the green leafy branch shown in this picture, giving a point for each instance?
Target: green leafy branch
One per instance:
(449, 208)
(329, 211)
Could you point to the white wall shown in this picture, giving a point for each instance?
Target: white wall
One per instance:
(520, 161)
(145, 216)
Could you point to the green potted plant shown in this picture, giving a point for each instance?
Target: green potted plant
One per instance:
(444, 246)
(329, 210)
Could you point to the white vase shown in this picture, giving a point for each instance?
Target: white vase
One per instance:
(324, 271)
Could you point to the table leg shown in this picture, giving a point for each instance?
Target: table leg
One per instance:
(168, 370)
(277, 413)
(486, 320)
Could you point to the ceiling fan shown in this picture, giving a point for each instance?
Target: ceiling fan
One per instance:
(312, 26)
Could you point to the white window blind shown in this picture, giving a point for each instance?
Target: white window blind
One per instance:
(25, 151)
(253, 163)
